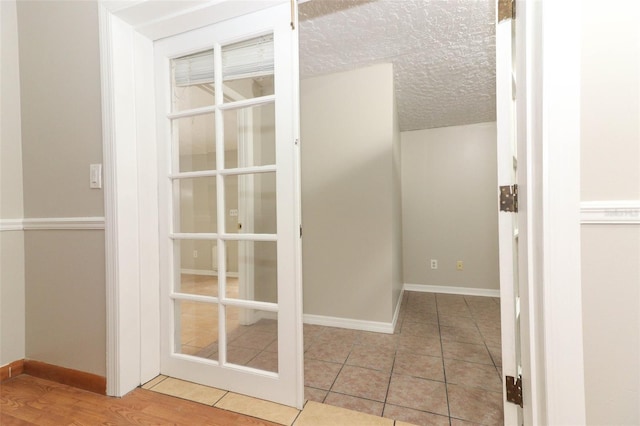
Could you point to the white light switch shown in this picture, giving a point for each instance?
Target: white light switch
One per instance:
(95, 176)
(233, 212)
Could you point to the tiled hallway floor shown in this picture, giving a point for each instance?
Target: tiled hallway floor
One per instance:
(440, 367)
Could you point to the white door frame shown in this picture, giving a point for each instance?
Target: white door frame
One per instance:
(548, 109)
(127, 33)
(554, 125)
(553, 134)
(511, 248)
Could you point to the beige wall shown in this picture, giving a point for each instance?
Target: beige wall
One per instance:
(66, 307)
(12, 297)
(61, 112)
(61, 136)
(347, 193)
(611, 302)
(449, 203)
(11, 203)
(610, 163)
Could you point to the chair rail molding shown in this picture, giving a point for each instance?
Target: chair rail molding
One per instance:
(52, 223)
(614, 212)
(11, 225)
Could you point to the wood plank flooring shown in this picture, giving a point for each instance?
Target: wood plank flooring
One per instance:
(26, 400)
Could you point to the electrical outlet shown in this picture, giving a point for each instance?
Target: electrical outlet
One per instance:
(195, 254)
(460, 265)
(434, 263)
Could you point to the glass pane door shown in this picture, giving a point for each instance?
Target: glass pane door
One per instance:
(227, 119)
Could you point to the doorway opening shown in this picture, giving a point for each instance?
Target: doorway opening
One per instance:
(350, 190)
(370, 324)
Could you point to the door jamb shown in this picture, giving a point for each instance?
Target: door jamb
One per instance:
(128, 125)
(555, 392)
(554, 137)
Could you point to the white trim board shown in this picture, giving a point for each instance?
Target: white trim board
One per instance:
(63, 223)
(206, 272)
(464, 291)
(615, 212)
(11, 225)
(52, 224)
(353, 324)
(396, 312)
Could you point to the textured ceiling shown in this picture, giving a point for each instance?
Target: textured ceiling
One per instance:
(443, 53)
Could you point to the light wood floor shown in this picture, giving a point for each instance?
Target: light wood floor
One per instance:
(26, 400)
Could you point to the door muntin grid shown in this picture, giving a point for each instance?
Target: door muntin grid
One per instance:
(223, 204)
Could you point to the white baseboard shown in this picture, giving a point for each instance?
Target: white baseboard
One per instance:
(378, 327)
(266, 315)
(206, 272)
(396, 312)
(353, 324)
(464, 291)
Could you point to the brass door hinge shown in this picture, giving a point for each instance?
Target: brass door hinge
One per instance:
(506, 9)
(514, 389)
(509, 198)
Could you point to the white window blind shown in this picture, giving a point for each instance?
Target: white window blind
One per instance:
(194, 69)
(250, 58)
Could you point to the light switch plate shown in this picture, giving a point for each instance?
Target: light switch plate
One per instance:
(95, 176)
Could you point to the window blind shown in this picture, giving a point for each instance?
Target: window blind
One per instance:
(250, 58)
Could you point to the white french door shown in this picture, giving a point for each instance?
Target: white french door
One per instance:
(227, 126)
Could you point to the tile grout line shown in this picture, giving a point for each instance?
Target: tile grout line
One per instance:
(444, 371)
(337, 375)
(386, 395)
(298, 415)
(422, 378)
(352, 347)
(484, 342)
(220, 399)
(151, 388)
(403, 311)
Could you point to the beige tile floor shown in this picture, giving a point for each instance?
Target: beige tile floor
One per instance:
(441, 366)
(313, 414)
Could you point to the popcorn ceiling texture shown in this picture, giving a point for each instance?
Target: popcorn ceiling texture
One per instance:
(443, 53)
